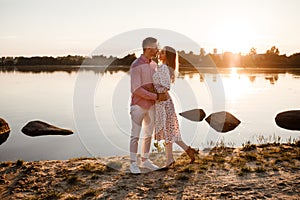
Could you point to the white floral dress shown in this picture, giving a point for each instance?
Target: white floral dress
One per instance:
(166, 123)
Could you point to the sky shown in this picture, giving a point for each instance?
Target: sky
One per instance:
(77, 27)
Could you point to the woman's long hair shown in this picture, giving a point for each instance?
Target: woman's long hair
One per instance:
(171, 61)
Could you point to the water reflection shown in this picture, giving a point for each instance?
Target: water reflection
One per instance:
(238, 74)
(270, 74)
(252, 78)
(272, 78)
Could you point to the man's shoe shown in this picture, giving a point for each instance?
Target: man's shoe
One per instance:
(148, 164)
(134, 169)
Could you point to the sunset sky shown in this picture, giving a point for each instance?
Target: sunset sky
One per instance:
(77, 27)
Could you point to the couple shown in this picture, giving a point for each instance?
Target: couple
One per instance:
(151, 106)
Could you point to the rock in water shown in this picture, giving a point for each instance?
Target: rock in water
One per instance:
(39, 128)
(4, 131)
(222, 121)
(289, 120)
(196, 115)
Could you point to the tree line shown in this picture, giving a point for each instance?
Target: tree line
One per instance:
(67, 60)
(271, 58)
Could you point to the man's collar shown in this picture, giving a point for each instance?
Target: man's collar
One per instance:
(146, 60)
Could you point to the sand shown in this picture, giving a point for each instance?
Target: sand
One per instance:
(269, 171)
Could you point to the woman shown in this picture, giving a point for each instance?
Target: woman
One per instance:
(166, 123)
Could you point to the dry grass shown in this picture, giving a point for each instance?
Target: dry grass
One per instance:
(249, 159)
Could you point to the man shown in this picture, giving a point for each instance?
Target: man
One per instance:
(143, 97)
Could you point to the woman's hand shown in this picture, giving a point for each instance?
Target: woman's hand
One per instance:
(163, 96)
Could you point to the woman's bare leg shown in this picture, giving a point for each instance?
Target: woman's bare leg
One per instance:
(169, 153)
(182, 145)
(191, 152)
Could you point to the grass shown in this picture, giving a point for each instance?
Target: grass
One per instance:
(159, 146)
(218, 159)
(95, 177)
(19, 163)
(80, 159)
(52, 195)
(6, 164)
(72, 179)
(251, 158)
(71, 198)
(260, 169)
(187, 168)
(237, 162)
(182, 177)
(89, 193)
(93, 168)
(248, 146)
(246, 169)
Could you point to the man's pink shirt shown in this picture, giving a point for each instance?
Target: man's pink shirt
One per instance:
(142, 89)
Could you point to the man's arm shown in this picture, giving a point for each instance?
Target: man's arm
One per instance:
(163, 96)
(145, 94)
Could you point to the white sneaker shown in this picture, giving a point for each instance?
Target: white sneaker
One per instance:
(134, 169)
(148, 164)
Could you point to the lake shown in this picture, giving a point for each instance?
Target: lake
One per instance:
(95, 105)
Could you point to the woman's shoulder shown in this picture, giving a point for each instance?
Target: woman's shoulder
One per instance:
(163, 66)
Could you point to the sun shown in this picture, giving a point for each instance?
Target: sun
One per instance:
(234, 36)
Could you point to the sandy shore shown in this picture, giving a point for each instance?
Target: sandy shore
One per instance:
(269, 171)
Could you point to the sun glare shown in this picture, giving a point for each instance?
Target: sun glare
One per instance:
(235, 85)
(234, 36)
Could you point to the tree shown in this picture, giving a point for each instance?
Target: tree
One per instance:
(253, 51)
(274, 51)
(202, 52)
(215, 51)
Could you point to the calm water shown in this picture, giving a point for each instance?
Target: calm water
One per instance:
(95, 105)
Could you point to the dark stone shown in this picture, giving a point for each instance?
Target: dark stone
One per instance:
(196, 115)
(4, 131)
(222, 121)
(39, 128)
(289, 120)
